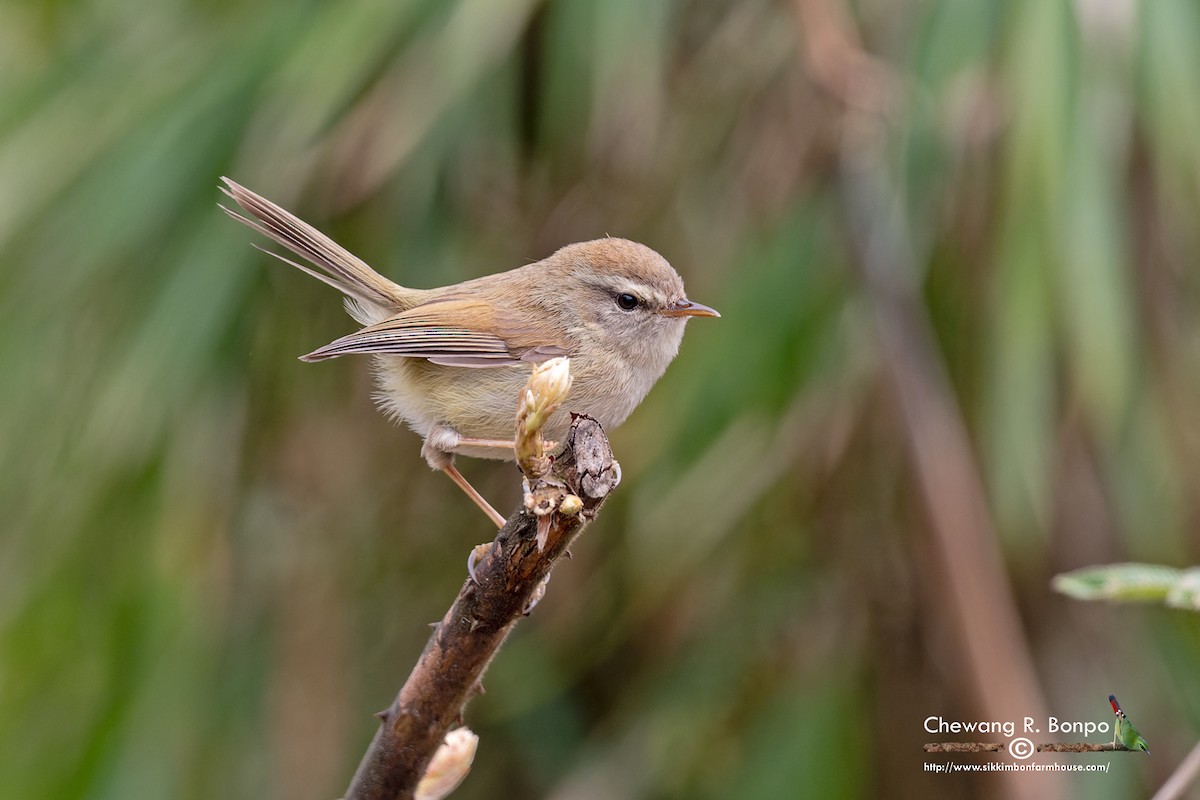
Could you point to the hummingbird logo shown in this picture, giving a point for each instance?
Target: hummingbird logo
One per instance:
(1125, 731)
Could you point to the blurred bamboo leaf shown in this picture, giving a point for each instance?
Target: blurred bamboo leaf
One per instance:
(1178, 588)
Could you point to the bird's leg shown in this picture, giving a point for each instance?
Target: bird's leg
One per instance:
(462, 483)
(441, 442)
(438, 450)
(498, 444)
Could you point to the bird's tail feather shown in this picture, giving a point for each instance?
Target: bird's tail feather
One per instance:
(369, 296)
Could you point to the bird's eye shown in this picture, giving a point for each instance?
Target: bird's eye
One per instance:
(627, 302)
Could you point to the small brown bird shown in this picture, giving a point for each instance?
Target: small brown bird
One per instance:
(451, 361)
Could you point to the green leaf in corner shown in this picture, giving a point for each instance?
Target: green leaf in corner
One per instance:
(1124, 582)
(1185, 593)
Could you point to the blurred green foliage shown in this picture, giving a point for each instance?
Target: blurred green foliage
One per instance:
(216, 561)
(1132, 583)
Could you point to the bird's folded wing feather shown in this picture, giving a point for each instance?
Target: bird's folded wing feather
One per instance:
(459, 332)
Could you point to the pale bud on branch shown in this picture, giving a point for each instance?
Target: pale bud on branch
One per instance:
(449, 766)
(546, 390)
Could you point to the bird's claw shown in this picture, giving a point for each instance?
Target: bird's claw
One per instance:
(538, 594)
(477, 554)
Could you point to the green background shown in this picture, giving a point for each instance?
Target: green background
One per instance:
(216, 561)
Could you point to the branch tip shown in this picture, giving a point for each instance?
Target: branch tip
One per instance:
(547, 388)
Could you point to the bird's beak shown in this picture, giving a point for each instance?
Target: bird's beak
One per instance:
(686, 308)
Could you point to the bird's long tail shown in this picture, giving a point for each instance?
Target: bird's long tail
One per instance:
(370, 297)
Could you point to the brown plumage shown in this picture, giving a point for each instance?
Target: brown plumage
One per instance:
(451, 361)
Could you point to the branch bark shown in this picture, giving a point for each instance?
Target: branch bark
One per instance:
(963, 747)
(508, 579)
(1049, 747)
(1082, 747)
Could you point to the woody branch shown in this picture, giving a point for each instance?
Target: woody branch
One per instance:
(563, 494)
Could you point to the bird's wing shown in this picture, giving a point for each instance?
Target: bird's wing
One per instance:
(453, 331)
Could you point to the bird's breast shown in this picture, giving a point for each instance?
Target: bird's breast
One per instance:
(482, 402)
